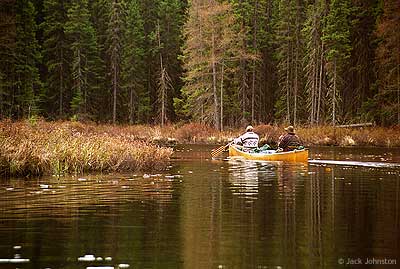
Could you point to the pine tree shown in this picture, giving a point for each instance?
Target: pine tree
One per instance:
(336, 35)
(148, 110)
(268, 73)
(132, 73)
(211, 43)
(360, 77)
(168, 43)
(388, 60)
(7, 57)
(56, 55)
(315, 61)
(115, 34)
(85, 57)
(242, 15)
(28, 87)
(99, 17)
(289, 56)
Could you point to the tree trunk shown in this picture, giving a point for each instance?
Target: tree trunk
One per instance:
(61, 84)
(114, 94)
(320, 83)
(214, 83)
(334, 95)
(79, 86)
(287, 86)
(296, 62)
(131, 110)
(163, 82)
(221, 97)
(85, 86)
(398, 86)
(253, 82)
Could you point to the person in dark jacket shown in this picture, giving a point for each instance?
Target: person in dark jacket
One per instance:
(289, 141)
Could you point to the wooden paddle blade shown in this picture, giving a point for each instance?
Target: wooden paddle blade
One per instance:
(216, 152)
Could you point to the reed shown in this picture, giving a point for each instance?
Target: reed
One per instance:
(368, 136)
(195, 133)
(68, 147)
(310, 135)
(40, 147)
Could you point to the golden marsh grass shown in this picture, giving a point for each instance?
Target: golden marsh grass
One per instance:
(70, 147)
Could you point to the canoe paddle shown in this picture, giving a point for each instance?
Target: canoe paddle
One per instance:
(216, 152)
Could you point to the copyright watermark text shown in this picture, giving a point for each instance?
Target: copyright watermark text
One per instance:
(366, 261)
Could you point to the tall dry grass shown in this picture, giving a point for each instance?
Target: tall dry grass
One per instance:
(41, 147)
(70, 147)
(311, 136)
(367, 136)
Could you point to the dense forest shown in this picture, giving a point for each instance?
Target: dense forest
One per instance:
(224, 63)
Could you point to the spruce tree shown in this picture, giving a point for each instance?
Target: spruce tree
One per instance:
(115, 32)
(56, 54)
(289, 55)
(28, 87)
(211, 42)
(168, 47)
(99, 17)
(7, 57)
(336, 35)
(85, 58)
(387, 98)
(133, 76)
(314, 61)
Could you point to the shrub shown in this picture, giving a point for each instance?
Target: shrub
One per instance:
(194, 132)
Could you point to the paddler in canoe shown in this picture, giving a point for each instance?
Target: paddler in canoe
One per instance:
(289, 141)
(248, 143)
(248, 140)
(291, 148)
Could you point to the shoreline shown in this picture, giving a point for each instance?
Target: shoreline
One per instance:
(66, 147)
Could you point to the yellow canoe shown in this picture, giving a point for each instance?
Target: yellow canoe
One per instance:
(271, 155)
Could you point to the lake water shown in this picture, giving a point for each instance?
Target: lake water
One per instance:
(204, 213)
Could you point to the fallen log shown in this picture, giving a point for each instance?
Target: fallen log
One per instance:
(355, 125)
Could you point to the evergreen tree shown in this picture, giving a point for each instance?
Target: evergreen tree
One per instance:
(115, 32)
(268, 72)
(336, 35)
(56, 54)
(289, 56)
(210, 43)
(360, 75)
(315, 61)
(388, 64)
(28, 87)
(168, 40)
(252, 21)
(99, 17)
(132, 73)
(7, 57)
(242, 11)
(214, 51)
(151, 58)
(84, 58)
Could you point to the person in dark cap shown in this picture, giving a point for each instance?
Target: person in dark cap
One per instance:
(249, 140)
(289, 141)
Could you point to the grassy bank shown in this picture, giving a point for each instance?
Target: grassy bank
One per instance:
(311, 136)
(68, 147)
